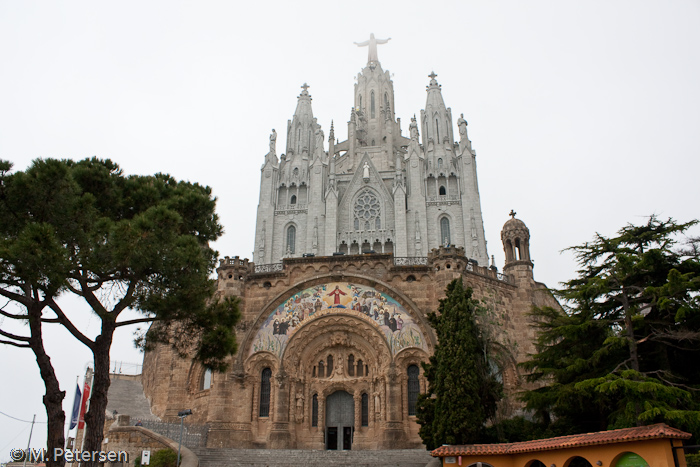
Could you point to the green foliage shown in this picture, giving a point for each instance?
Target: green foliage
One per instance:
(462, 392)
(164, 458)
(118, 242)
(692, 460)
(625, 351)
(516, 429)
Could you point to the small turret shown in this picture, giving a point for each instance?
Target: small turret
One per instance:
(516, 244)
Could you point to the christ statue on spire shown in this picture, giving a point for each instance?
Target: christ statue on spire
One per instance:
(372, 43)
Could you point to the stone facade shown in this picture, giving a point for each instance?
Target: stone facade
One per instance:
(378, 190)
(354, 247)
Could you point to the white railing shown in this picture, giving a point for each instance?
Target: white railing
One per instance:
(410, 261)
(267, 268)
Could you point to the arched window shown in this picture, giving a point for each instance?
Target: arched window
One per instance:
(372, 104)
(386, 102)
(365, 409)
(445, 231)
(443, 192)
(360, 367)
(314, 410)
(206, 380)
(413, 388)
(329, 366)
(291, 239)
(265, 392)
(439, 162)
(437, 131)
(359, 102)
(293, 200)
(351, 365)
(320, 369)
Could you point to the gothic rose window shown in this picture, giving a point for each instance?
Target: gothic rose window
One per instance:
(367, 212)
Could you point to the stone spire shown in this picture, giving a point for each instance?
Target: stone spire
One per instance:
(436, 119)
(302, 128)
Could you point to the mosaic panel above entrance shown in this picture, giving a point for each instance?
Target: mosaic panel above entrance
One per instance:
(364, 302)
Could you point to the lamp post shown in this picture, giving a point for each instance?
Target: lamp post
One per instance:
(182, 414)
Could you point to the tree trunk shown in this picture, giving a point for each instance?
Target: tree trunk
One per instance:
(95, 417)
(632, 343)
(53, 399)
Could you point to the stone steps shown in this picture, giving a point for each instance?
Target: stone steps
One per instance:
(285, 457)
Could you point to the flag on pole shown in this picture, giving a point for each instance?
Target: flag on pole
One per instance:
(83, 405)
(75, 414)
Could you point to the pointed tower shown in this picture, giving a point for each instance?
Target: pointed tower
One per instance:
(436, 122)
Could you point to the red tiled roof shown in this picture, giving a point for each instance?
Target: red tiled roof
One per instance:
(660, 430)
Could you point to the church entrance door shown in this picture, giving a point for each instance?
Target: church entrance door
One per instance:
(340, 421)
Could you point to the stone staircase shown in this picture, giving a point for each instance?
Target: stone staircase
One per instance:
(285, 457)
(126, 396)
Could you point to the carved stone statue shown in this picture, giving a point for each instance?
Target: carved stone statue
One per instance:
(372, 43)
(413, 129)
(462, 124)
(300, 403)
(319, 141)
(365, 171)
(273, 142)
(377, 405)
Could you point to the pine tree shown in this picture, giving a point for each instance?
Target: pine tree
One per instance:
(462, 392)
(117, 242)
(625, 351)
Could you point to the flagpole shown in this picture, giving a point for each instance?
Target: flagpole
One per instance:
(87, 407)
(77, 378)
(29, 442)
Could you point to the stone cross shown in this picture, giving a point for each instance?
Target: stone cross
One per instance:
(512, 214)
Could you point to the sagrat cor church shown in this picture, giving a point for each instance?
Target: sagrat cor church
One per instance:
(355, 243)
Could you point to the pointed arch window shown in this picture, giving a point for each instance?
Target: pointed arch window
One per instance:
(386, 102)
(329, 365)
(443, 191)
(437, 131)
(445, 231)
(372, 113)
(293, 200)
(365, 409)
(291, 239)
(314, 410)
(359, 102)
(413, 388)
(351, 365)
(265, 392)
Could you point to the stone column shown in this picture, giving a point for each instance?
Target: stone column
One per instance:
(280, 437)
(394, 436)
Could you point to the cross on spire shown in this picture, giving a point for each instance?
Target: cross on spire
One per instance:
(432, 75)
(512, 214)
(305, 87)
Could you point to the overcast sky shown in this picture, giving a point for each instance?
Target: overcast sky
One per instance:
(585, 116)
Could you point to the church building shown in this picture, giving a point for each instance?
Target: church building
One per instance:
(355, 243)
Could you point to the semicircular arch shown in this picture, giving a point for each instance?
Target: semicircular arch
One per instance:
(415, 329)
(348, 331)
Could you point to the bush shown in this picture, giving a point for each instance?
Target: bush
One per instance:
(164, 458)
(693, 460)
